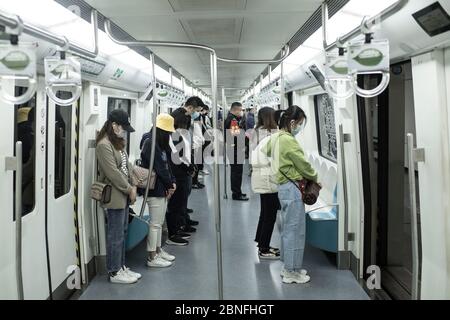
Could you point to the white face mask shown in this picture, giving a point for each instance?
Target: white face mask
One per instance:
(299, 129)
(118, 130)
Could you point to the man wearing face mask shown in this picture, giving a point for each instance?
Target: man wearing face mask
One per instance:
(235, 141)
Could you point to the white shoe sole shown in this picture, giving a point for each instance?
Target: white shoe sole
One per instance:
(297, 281)
(116, 281)
(170, 243)
(269, 258)
(158, 265)
(169, 259)
(303, 272)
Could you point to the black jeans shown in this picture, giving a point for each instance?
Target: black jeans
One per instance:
(177, 207)
(269, 207)
(236, 178)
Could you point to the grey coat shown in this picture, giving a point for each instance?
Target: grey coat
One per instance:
(109, 163)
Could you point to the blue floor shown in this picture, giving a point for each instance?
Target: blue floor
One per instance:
(194, 274)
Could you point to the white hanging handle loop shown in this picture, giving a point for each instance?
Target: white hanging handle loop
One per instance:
(336, 94)
(54, 88)
(371, 93)
(32, 85)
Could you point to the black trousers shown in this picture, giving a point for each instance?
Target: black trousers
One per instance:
(269, 207)
(236, 178)
(177, 207)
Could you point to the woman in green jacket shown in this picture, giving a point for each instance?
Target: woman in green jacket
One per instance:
(292, 166)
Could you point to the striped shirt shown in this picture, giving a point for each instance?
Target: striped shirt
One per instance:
(123, 165)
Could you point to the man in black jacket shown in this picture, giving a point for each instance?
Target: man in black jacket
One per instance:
(183, 170)
(234, 137)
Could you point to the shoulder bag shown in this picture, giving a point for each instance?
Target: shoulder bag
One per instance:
(310, 190)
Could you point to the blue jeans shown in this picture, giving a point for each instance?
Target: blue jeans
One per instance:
(116, 235)
(293, 227)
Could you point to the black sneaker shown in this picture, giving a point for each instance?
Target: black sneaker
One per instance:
(275, 250)
(182, 235)
(188, 229)
(268, 255)
(192, 223)
(176, 241)
(198, 186)
(189, 211)
(240, 198)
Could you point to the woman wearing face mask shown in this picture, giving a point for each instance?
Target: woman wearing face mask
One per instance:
(291, 165)
(115, 170)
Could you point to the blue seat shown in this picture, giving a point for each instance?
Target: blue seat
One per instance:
(322, 228)
(137, 231)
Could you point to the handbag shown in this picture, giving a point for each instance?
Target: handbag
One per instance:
(139, 177)
(310, 190)
(101, 192)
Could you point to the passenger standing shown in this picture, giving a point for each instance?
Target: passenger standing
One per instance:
(264, 182)
(114, 170)
(235, 126)
(177, 217)
(165, 187)
(291, 165)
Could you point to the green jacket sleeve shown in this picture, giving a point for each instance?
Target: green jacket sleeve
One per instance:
(107, 163)
(297, 156)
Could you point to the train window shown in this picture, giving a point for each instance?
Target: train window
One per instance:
(326, 127)
(63, 146)
(26, 133)
(124, 104)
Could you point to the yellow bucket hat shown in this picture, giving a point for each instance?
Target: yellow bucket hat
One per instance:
(165, 122)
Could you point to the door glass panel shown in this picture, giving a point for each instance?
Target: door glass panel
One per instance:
(124, 104)
(63, 146)
(26, 133)
(326, 127)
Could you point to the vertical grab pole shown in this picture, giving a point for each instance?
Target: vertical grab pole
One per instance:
(344, 183)
(224, 103)
(282, 104)
(18, 205)
(414, 231)
(152, 155)
(216, 175)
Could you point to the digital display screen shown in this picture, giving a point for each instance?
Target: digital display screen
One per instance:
(433, 19)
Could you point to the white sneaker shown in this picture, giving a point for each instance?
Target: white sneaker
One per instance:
(302, 272)
(131, 273)
(158, 262)
(166, 256)
(123, 278)
(295, 277)
(205, 172)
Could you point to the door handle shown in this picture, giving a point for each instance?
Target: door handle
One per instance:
(15, 164)
(414, 155)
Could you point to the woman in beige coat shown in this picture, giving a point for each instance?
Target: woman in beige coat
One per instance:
(263, 182)
(115, 170)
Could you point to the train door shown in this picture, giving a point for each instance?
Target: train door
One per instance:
(24, 123)
(385, 124)
(62, 226)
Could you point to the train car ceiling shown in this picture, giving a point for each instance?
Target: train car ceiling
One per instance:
(134, 68)
(412, 41)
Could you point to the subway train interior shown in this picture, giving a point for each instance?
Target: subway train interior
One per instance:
(372, 77)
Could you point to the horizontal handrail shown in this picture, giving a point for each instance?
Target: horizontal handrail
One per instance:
(187, 45)
(388, 12)
(48, 36)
